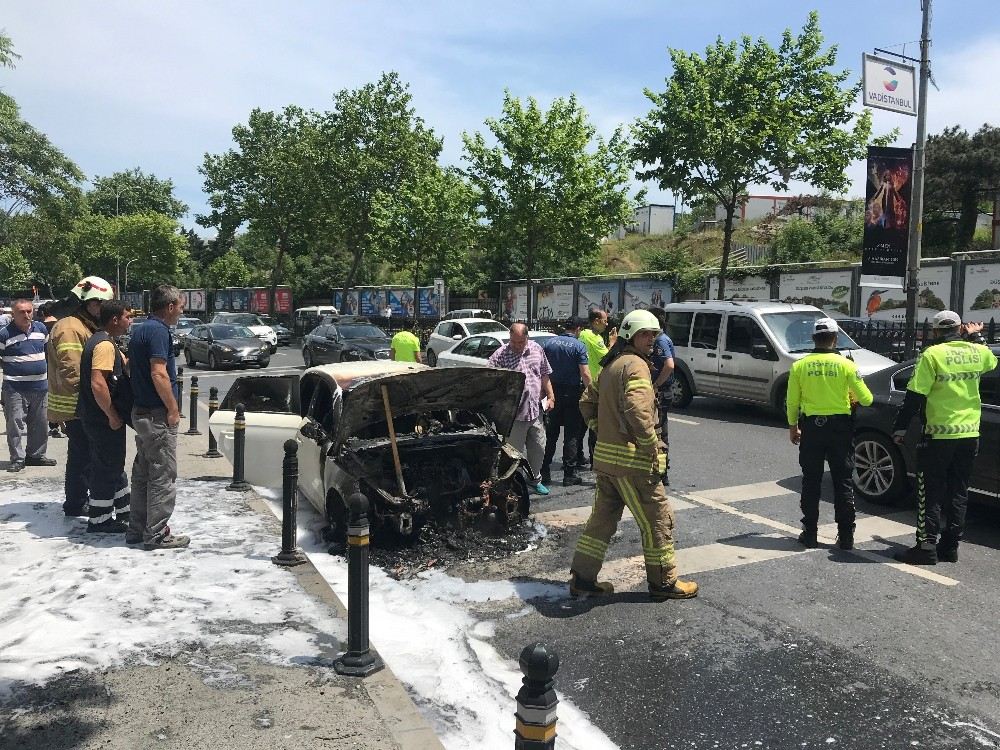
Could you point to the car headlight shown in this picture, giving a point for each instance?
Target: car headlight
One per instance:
(226, 349)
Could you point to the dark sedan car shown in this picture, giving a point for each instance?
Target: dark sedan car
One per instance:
(345, 339)
(882, 468)
(220, 344)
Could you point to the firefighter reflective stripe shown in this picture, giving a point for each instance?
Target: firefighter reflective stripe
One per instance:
(69, 346)
(635, 384)
(970, 429)
(591, 547)
(649, 440)
(63, 404)
(592, 424)
(628, 457)
(653, 555)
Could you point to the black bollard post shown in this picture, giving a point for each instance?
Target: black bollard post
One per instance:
(193, 416)
(360, 660)
(180, 392)
(536, 700)
(290, 554)
(239, 484)
(213, 405)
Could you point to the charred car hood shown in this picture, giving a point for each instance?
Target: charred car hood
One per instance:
(495, 394)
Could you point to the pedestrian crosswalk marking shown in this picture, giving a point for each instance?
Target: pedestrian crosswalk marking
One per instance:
(578, 515)
(681, 420)
(755, 491)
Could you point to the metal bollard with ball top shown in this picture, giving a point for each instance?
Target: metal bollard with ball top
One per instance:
(213, 406)
(193, 410)
(535, 727)
(180, 392)
(239, 484)
(290, 554)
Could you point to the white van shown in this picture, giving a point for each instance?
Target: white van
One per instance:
(744, 350)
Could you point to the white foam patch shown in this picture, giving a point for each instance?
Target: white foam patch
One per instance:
(440, 651)
(69, 599)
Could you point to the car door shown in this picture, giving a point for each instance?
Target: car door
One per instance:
(703, 353)
(441, 339)
(986, 474)
(314, 437)
(272, 414)
(464, 354)
(322, 345)
(746, 362)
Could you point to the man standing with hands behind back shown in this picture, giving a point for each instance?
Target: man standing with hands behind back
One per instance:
(155, 417)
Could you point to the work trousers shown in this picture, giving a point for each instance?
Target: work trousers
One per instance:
(828, 439)
(646, 500)
(154, 474)
(76, 484)
(565, 415)
(25, 415)
(109, 492)
(528, 438)
(943, 471)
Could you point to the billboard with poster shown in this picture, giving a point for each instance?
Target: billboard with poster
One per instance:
(830, 291)
(887, 217)
(982, 293)
(888, 303)
(220, 302)
(514, 302)
(750, 287)
(642, 294)
(258, 300)
(598, 295)
(239, 300)
(553, 301)
(372, 301)
(348, 306)
(196, 300)
(430, 303)
(283, 300)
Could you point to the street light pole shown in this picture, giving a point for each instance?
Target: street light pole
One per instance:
(126, 274)
(917, 202)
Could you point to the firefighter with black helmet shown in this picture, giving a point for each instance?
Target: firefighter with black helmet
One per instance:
(629, 461)
(944, 392)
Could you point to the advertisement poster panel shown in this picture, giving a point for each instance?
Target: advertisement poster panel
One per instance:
(221, 301)
(598, 295)
(283, 300)
(240, 300)
(887, 303)
(887, 217)
(430, 303)
(350, 305)
(372, 301)
(514, 302)
(196, 300)
(553, 301)
(642, 294)
(751, 287)
(258, 300)
(982, 293)
(830, 291)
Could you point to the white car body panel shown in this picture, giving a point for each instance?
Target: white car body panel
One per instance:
(262, 455)
(453, 358)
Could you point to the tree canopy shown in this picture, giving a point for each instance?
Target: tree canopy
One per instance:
(134, 192)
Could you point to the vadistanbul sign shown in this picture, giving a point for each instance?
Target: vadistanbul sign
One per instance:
(888, 84)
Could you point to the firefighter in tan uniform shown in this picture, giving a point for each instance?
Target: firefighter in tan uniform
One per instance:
(629, 461)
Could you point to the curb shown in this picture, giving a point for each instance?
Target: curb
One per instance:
(408, 728)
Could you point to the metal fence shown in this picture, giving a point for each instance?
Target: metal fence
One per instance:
(888, 338)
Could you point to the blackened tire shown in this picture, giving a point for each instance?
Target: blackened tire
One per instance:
(263, 363)
(189, 358)
(681, 392)
(307, 358)
(213, 362)
(879, 474)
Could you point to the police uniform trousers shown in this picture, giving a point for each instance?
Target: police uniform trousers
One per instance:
(827, 439)
(646, 500)
(944, 468)
(109, 490)
(564, 415)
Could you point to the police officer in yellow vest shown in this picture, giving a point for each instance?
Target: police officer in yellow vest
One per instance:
(821, 388)
(944, 391)
(629, 461)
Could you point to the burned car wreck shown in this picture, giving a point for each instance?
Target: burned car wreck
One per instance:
(421, 444)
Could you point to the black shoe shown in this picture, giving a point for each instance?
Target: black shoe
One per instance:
(54, 433)
(83, 510)
(947, 552)
(107, 527)
(15, 466)
(920, 554)
(808, 539)
(845, 537)
(666, 481)
(572, 480)
(546, 476)
(40, 461)
(123, 517)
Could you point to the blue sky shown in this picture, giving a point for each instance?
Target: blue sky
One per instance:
(119, 84)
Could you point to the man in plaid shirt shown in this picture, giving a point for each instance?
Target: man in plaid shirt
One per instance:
(528, 433)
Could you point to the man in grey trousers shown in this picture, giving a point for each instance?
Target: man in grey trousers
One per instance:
(25, 387)
(155, 417)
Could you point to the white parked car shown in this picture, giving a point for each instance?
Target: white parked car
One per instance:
(447, 332)
(476, 350)
(450, 429)
(259, 328)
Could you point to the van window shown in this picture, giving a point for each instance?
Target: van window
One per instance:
(705, 334)
(679, 327)
(742, 332)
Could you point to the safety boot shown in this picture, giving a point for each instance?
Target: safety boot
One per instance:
(947, 550)
(922, 553)
(582, 587)
(677, 590)
(571, 480)
(845, 537)
(808, 538)
(107, 527)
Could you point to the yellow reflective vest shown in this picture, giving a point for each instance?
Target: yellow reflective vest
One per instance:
(821, 384)
(948, 375)
(621, 405)
(62, 357)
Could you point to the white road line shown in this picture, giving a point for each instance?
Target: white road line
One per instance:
(679, 420)
(739, 492)
(578, 515)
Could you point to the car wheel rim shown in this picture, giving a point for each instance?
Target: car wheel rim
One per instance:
(874, 469)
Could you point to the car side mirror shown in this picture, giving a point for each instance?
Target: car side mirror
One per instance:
(762, 351)
(457, 337)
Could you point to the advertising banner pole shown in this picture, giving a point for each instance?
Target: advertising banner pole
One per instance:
(917, 205)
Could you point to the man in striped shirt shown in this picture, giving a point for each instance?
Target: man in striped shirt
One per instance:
(25, 387)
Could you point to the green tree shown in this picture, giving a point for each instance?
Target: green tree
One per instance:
(960, 171)
(228, 270)
(134, 192)
(270, 181)
(748, 113)
(550, 189)
(14, 269)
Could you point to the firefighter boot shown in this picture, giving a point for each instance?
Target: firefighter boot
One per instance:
(808, 538)
(922, 553)
(677, 590)
(582, 587)
(845, 536)
(947, 549)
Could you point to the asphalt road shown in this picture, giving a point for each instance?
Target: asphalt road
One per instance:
(784, 647)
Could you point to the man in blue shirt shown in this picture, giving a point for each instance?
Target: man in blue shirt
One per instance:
(155, 416)
(568, 359)
(663, 375)
(25, 386)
